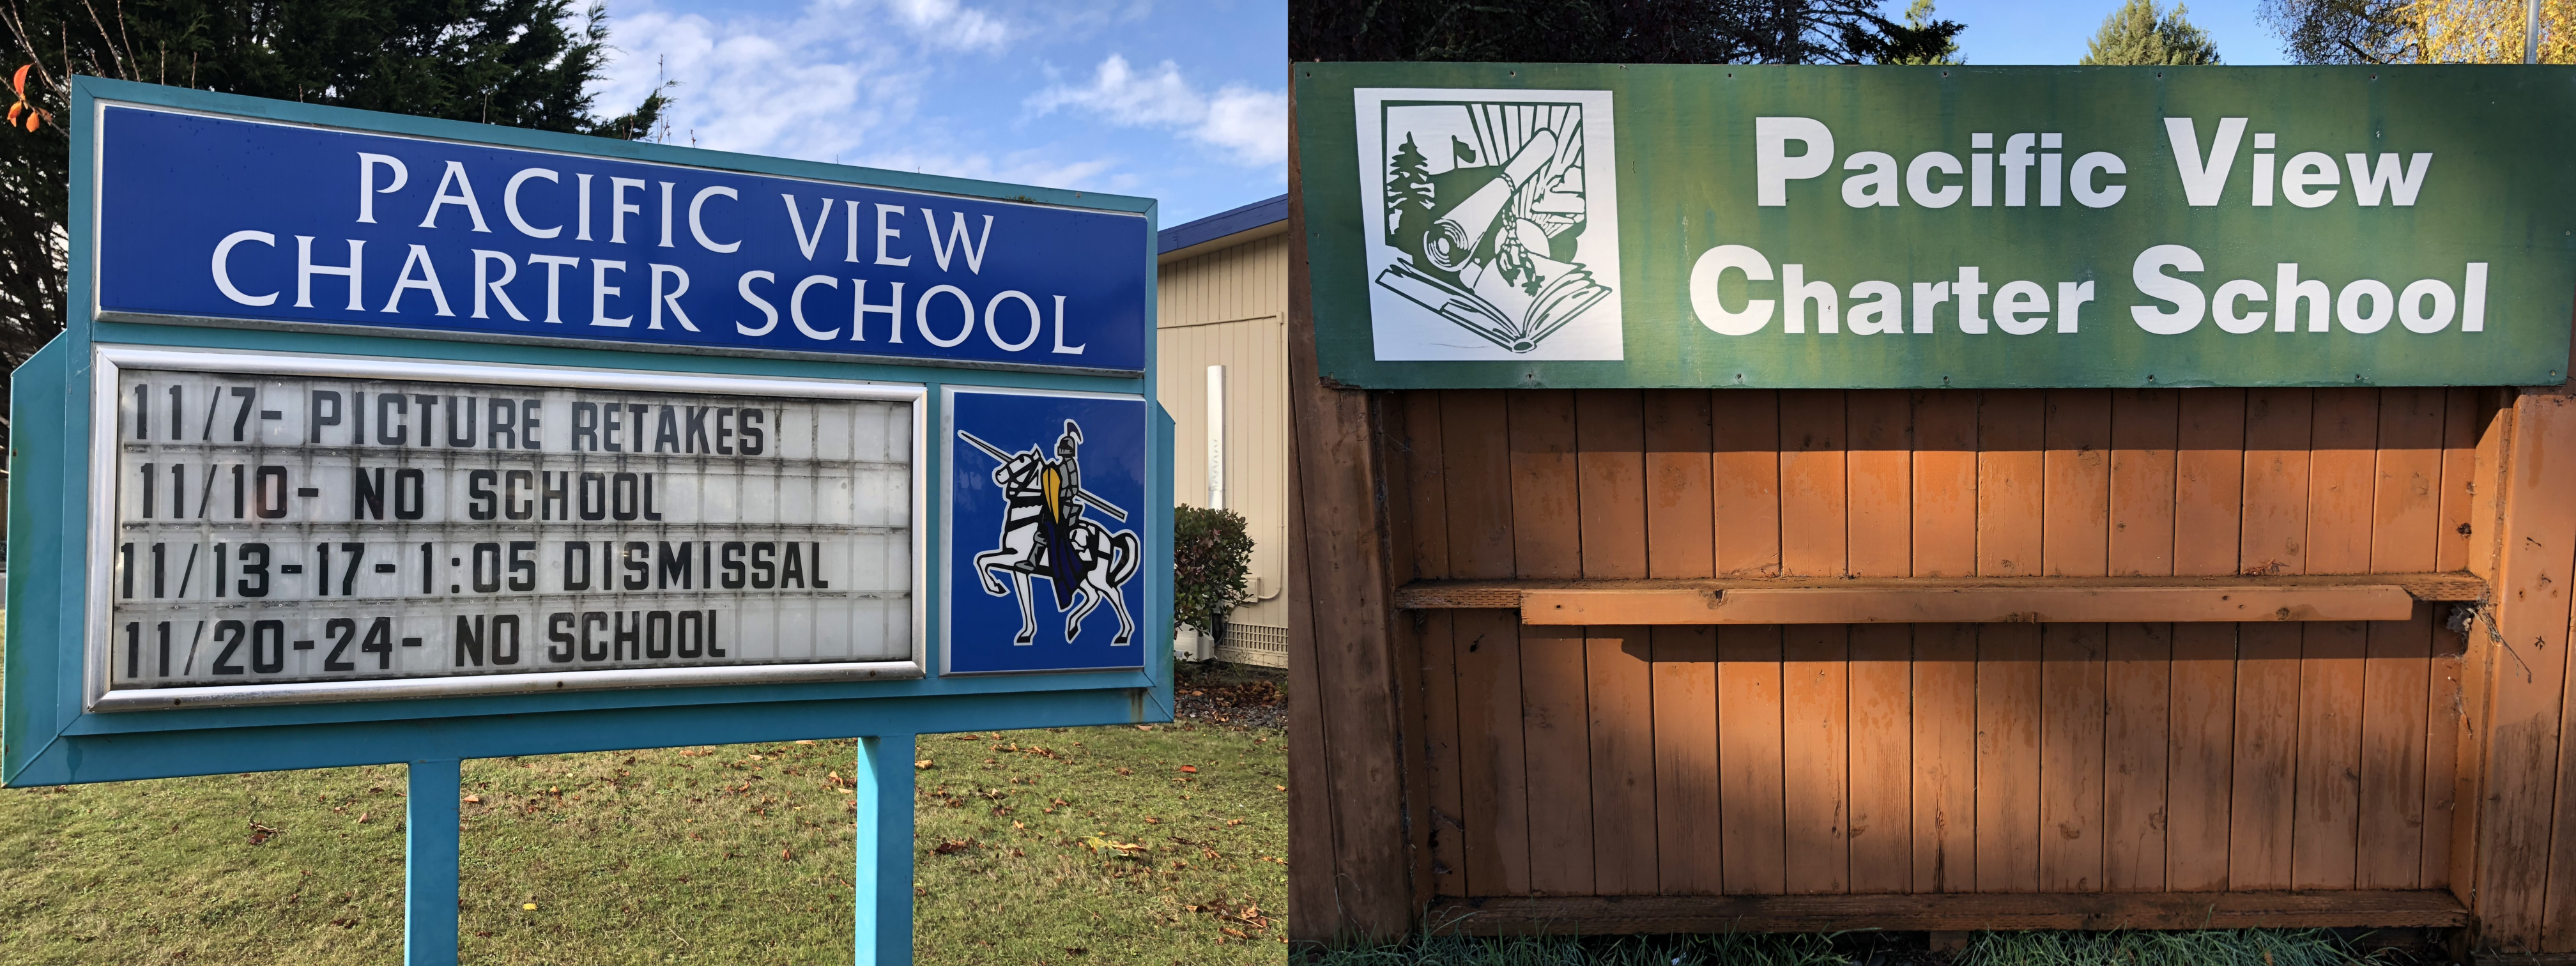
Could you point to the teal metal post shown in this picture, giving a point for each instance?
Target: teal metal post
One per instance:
(884, 874)
(429, 865)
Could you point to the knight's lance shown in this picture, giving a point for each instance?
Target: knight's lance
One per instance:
(989, 449)
(1452, 237)
(1005, 459)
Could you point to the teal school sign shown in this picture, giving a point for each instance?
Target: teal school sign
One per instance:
(1486, 225)
(379, 439)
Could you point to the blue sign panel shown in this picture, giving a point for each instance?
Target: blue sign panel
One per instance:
(1046, 532)
(312, 225)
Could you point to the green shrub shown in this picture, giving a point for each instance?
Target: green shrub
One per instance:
(1211, 555)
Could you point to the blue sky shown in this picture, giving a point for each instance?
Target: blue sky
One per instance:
(1182, 100)
(2003, 32)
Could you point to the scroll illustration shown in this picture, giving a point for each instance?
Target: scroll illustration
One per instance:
(1485, 203)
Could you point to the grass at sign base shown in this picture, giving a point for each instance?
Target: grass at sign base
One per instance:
(728, 854)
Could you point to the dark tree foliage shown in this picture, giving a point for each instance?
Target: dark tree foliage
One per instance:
(2343, 31)
(521, 63)
(1613, 31)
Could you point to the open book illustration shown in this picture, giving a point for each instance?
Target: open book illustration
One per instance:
(1485, 203)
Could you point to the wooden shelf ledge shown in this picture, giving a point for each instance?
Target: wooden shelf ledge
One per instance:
(1937, 600)
(1946, 912)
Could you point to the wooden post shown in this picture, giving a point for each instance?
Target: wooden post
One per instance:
(1350, 851)
(2512, 753)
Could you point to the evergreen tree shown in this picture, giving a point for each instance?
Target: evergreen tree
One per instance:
(2139, 34)
(509, 62)
(1408, 189)
(1940, 49)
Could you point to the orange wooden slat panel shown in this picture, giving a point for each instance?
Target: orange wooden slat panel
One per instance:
(2075, 490)
(1814, 496)
(2070, 764)
(2012, 428)
(1945, 757)
(2136, 742)
(2278, 429)
(2327, 786)
(1879, 537)
(1688, 812)
(1945, 483)
(1426, 484)
(1442, 764)
(2209, 482)
(1492, 762)
(1882, 706)
(2202, 756)
(1610, 440)
(2008, 721)
(2342, 480)
(2395, 680)
(2145, 427)
(1547, 523)
(1555, 723)
(1476, 481)
(1748, 760)
(1816, 755)
(1745, 480)
(2406, 509)
(1619, 671)
(1681, 525)
(2260, 814)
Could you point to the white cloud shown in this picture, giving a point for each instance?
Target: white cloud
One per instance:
(929, 86)
(1250, 126)
(951, 25)
(769, 91)
(1018, 167)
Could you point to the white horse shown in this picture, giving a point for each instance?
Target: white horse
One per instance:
(1102, 561)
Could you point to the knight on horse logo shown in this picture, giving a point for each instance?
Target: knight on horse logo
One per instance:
(1045, 533)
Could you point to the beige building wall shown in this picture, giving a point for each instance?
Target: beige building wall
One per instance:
(1229, 307)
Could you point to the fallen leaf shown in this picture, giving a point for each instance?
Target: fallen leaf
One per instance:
(1144, 727)
(1190, 769)
(786, 854)
(474, 799)
(924, 765)
(362, 817)
(805, 742)
(1123, 771)
(1236, 933)
(1150, 820)
(529, 906)
(1233, 821)
(951, 846)
(1280, 787)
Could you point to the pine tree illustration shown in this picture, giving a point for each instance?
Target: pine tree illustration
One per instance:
(1408, 188)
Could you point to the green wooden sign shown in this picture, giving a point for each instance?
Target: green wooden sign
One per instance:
(1574, 225)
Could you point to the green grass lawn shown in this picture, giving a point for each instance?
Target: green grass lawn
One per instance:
(1086, 845)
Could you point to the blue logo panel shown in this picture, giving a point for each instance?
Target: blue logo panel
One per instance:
(1046, 532)
(304, 224)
